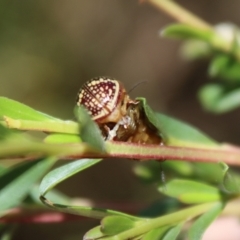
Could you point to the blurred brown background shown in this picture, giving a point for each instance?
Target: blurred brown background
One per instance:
(48, 49)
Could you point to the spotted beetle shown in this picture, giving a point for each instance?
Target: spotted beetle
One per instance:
(119, 117)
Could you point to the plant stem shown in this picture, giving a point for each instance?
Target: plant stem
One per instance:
(183, 16)
(225, 153)
(147, 152)
(149, 224)
(180, 14)
(33, 150)
(142, 152)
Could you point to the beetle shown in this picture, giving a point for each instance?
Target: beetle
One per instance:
(119, 117)
(104, 98)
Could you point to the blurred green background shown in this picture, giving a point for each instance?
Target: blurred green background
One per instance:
(48, 49)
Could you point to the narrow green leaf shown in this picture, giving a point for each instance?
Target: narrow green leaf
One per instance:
(228, 102)
(175, 132)
(17, 181)
(231, 182)
(204, 171)
(4, 133)
(112, 225)
(152, 118)
(209, 96)
(195, 49)
(94, 233)
(90, 132)
(183, 31)
(181, 168)
(14, 109)
(197, 170)
(149, 171)
(216, 98)
(149, 224)
(173, 233)
(59, 126)
(225, 67)
(61, 173)
(191, 192)
(54, 195)
(201, 224)
(91, 212)
(156, 234)
(181, 134)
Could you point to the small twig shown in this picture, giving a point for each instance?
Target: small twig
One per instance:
(172, 218)
(180, 14)
(184, 16)
(230, 156)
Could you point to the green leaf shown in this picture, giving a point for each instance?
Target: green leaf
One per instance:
(18, 181)
(94, 233)
(149, 171)
(61, 173)
(4, 133)
(195, 49)
(90, 132)
(58, 175)
(146, 225)
(225, 67)
(54, 195)
(181, 168)
(215, 98)
(209, 96)
(156, 234)
(204, 171)
(175, 132)
(18, 110)
(151, 117)
(152, 171)
(92, 212)
(59, 126)
(201, 224)
(191, 192)
(228, 102)
(173, 232)
(181, 134)
(112, 225)
(183, 31)
(62, 138)
(231, 182)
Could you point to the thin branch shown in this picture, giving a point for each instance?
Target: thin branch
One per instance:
(229, 155)
(180, 14)
(43, 215)
(165, 220)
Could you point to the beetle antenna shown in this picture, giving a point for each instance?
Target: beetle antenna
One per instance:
(136, 85)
